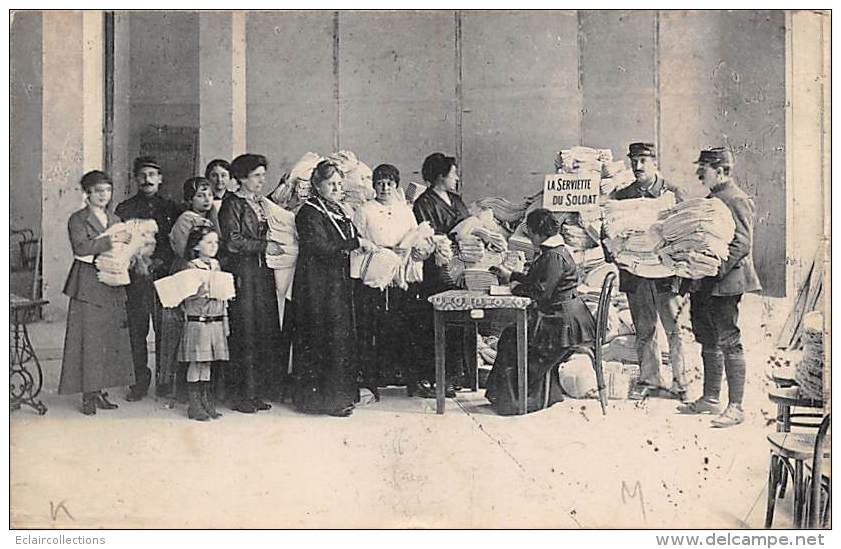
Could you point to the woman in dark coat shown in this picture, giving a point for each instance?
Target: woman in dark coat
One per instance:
(558, 321)
(97, 351)
(443, 209)
(255, 329)
(325, 362)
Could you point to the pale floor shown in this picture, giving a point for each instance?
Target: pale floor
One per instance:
(395, 463)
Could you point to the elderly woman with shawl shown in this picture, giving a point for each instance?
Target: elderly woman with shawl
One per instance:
(325, 360)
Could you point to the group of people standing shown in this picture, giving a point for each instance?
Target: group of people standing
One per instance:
(336, 334)
(343, 333)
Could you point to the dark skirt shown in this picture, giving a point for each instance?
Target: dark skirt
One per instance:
(97, 349)
(255, 339)
(383, 333)
(551, 341)
(325, 350)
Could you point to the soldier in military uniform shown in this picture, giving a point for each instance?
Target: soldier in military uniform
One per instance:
(142, 301)
(714, 308)
(650, 298)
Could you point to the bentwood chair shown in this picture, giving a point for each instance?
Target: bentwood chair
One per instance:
(819, 481)
(789, 453)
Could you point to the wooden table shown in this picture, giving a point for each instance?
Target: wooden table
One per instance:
(467, 309)
(25, 382)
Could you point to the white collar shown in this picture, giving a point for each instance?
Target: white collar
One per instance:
(553, 242)
(445, 196)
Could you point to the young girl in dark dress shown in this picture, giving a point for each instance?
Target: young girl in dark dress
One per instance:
(558, 321)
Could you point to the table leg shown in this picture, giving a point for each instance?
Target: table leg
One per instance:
(522, 361)
(471, 332)
(440, 353)
(24, 385)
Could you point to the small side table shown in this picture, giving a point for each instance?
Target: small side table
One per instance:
(466, 308)
(25, 381)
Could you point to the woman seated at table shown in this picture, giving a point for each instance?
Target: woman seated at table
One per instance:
(558, 321)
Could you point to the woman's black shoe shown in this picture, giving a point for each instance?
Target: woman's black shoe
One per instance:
(245, 407)
(259, 405)
(89, 405)
(341, 412)
(103, 403)
(422, 389)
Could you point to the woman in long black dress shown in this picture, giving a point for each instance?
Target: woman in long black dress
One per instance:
(325, 361)
(558, 321)
(255, 329)
(443, 208)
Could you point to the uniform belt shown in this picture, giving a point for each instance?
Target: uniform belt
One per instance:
(203, 318)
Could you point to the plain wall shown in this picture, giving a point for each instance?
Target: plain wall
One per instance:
(164, 66)
(722, 83)
(504, 91)
(521, 99)
(291, 103)
(25, 143)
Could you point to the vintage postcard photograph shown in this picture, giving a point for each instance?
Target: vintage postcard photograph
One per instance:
(419, 269)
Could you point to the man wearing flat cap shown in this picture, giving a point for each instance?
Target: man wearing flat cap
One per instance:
(142, 301)
(650, 298)
(714, 301)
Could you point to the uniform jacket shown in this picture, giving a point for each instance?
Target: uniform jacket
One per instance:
(628, 281)
(737, 274)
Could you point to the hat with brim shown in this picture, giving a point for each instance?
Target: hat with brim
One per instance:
(716, 157)
(642, 149)
(145, 162)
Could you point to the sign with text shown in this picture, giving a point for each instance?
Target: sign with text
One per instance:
(566, 192)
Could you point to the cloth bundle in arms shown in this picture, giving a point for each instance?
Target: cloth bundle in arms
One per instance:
(174, 289)
(696, 235)
(357, 184)
(634, 236)
(112, 266)
(386, 267)
(282, 230)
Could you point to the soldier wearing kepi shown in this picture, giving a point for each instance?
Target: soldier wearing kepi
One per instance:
(142, 301)
(650, 298)
(714, 308)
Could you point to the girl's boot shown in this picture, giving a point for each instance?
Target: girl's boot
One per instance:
(196, 410)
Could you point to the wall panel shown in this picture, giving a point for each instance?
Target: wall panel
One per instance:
(397, 82)
(291, 105)
(722, 82)
(521, 100)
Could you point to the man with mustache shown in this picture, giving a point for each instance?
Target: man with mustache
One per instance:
(142, 301)
(714, 301)
(650, 298)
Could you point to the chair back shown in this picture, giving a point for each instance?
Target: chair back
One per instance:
(815, 489)
(602, 314)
